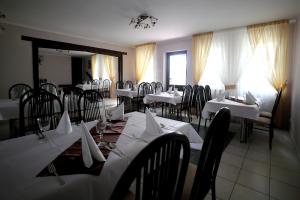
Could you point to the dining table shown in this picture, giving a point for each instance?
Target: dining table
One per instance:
(164, 97)
(22, 159)
(238, 108)
(127, 92)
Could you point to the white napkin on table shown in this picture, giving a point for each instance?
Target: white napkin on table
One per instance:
(250, 99)
(64, 125)
(89, 147)
(152, 129)
(176, 93)
(116, 113)
(221, 95)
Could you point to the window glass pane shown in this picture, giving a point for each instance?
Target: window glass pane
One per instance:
(177, 69)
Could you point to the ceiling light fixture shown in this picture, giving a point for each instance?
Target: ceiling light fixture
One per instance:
(143, 21)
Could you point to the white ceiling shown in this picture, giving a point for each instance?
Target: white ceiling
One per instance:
(108, 20)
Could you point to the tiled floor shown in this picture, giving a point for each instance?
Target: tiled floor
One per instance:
(251, 171)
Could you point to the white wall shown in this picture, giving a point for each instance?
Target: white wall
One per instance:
(16, 55)
(295, 107)
(56, 69)
(171, 46)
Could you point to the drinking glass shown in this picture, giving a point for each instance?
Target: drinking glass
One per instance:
(100, 127)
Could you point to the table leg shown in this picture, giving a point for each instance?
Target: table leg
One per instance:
(243, 135)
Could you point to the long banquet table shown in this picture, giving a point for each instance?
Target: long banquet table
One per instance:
(164, 97)
(21, 159)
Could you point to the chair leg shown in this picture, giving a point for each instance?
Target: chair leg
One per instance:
(199, 123)
(205, 123)
(213, 191)
(271, 132)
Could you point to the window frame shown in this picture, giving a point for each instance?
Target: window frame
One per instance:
(168, 55)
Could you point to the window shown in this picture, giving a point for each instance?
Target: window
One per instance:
(176, 68)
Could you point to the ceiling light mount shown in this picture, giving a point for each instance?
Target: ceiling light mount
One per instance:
(143, 21)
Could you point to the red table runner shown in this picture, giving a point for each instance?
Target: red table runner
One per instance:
(70, 161)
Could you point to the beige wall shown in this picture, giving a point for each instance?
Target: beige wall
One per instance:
(295, 107)
(16, 57)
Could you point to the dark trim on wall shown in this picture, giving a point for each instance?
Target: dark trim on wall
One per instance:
(43, 43)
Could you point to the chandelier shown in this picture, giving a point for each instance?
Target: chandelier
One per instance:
(143, 21)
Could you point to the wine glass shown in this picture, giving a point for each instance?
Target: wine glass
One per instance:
(100, 127)
(43, 125)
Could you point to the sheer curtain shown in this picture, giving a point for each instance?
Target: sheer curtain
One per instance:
(201, 48)
(144, 62)
(272, 40)
(109, 64)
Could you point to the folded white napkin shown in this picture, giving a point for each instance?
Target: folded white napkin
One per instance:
(250, 99)
(152, 129)
(64, 125)
(116, 113)
(176, 93)
(220, 96)
(89, 147)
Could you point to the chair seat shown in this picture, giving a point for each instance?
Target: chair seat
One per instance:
(265, 114)
(189, 180)
(263, 120)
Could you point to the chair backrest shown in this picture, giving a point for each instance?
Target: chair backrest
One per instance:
(207, 93)
(141, 89)
(106, 84)
(211, 154)
(157, 170)
(147, 89)
(159, 87)
(70, 103)
(186, 96)
(39, 104)
(202, 99)
(90, 105)
(195, 95)
(95, 84)
(119, 85)
(49, 87)
(276, 104)
(128, 84)
(153, 85)
(16, 90)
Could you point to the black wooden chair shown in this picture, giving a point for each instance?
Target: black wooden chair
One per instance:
(96, 85)
(106, 88)
(201, 103)
(267, 123)
(157, 171)
(128, 85)
(119, 85)
(39, 104)
(16, 90)
(185, 105)
(70, 103)
(49, 87)
(138, 100)
(194, 100)
(202, 178)
(159, 87)
(90, 105)
(207, 92)
(147, 89)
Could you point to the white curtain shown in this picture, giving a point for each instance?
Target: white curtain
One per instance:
(231, 62)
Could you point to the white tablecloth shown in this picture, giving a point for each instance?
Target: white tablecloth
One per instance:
(22, 158)
(9, 109)
(237, 109)
(88, 86)
(164, 97)
(126, 93)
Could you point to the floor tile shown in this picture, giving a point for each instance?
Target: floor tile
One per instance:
(290, 163)
(256, 167)
(282, 191)
(287, 176)
(258, 156)
(229, 172)
(223, 188)
(231, 159)
(243, 193)
(254, 181)
(236, 150)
